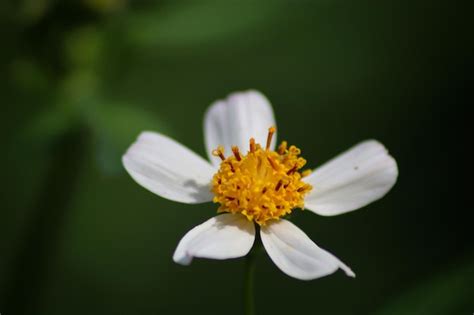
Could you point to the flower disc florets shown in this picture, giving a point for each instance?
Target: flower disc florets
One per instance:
(263, 184)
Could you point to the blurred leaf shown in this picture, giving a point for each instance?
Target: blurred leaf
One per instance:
(83, 47)
(33, 10)
(79, 89)
(106, 6)
(449, 293)
(115, 127)
(48, 126)
(198, 22)
(27, 74)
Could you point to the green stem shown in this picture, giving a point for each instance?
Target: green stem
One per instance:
(249, 284)
(43, 233)
(250, 264)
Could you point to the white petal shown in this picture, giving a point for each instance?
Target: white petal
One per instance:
(296, 254)
(221, 237)
(169, 169)
(233, 121)
(352, 180)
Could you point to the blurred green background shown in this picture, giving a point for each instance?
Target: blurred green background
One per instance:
(81, 79)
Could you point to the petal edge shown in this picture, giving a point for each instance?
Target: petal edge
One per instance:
(352, 180)
(222, 237)
(169, 169)
(233, 121)
(295, 254)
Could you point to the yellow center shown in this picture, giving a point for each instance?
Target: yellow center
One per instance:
(262, 185)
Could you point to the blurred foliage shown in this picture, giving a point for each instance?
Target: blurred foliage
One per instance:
(447, 293)
(81, 79)
(196, 23)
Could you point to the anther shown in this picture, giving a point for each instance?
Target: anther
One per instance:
(252, 145)
(272, 163)
(278, 185)
(294, 150)
(271, 132)
(292, 170)
(282, 148)
(219, 152)
(235, 150)
(306, 173)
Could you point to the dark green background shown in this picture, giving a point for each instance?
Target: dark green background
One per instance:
(81, 79)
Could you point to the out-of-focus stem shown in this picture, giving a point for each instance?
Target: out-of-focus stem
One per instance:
(249, 284)
(42, 234)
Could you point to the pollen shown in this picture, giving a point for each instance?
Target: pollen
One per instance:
(263, 184)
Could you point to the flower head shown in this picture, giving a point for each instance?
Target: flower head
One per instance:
(262, 185)
(256, 183)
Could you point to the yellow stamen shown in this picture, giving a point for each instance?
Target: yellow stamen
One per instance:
(271, 132)
(262, 185)
(219, 152)
(272, 163)
(278, 185)
(292, 170)
(282, 148)
(306, 173)
(252, 145)
(235, 150)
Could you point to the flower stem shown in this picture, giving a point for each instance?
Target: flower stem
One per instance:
(249, 284)
(39, 247)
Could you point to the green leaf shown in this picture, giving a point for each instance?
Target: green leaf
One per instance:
(199, 22)
(47, 126)
(84, 47)
(115, 127)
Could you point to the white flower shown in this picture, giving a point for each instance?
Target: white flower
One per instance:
(259, 187)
